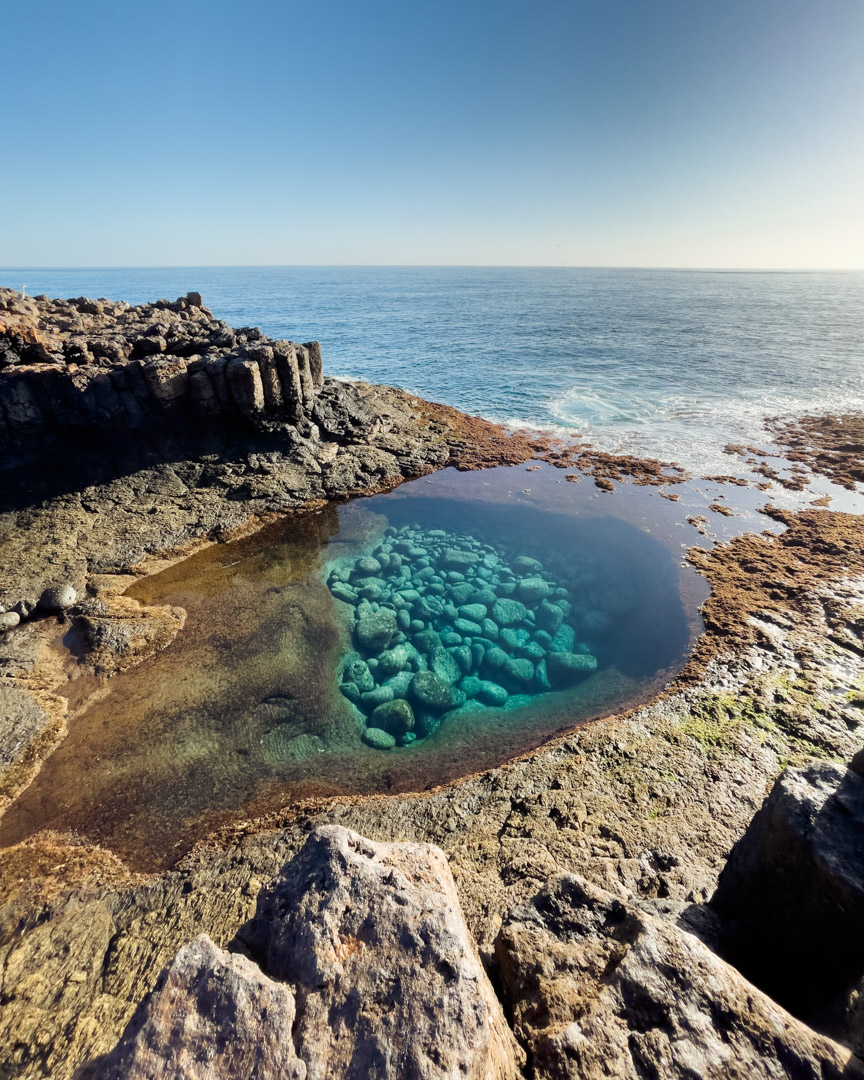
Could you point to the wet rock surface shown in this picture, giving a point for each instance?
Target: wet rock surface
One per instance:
(598, 988)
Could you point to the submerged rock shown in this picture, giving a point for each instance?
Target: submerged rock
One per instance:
(373, 632)
(430, 691)
(507, 612)
(567, 668)
(395, 716)
(378, 738)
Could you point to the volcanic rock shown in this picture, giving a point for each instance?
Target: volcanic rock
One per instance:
(599, 989)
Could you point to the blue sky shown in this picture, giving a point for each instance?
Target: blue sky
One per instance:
(609, 132)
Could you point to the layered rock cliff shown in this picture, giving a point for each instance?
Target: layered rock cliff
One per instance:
(69, 366)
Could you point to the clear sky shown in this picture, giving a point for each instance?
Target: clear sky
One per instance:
(707, 133)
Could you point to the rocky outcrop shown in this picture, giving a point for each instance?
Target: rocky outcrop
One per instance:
(374, 975)
(793, 889)
(92, 365)
(212, 1014)
(598, 988)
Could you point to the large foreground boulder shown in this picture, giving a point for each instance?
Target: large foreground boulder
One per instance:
(598, 989)
(371, 975)
(792, 893)
(387, 981)
(212, 1014)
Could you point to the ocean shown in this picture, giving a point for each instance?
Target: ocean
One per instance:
(668, 363)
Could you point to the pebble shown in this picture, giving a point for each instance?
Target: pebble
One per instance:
(58, 598)
(9, 620)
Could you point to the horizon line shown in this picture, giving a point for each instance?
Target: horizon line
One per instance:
(439, 266)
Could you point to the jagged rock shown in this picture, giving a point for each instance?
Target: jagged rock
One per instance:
(793, 889)
(97, 365)
(599, 989)
(387, 982)
(211, 1014)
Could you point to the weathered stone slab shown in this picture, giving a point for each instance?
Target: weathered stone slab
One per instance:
(793, 889)
(599, 989)
(212, 1014)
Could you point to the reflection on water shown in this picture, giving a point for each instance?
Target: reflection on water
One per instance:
(459, 631)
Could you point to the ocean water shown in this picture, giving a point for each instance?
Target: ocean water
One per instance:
(673, 364)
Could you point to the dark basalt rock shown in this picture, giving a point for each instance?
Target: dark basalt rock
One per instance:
(76, 365)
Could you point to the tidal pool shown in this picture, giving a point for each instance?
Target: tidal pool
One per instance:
(390, 644)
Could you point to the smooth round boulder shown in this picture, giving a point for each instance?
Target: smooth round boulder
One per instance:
(358, 672)
(380, 740)
(444, 666)
(58, 598)
(567, 668)
(495, 658)
(475, 612)
(491, 693)
(373, 632)
(549, 616)
(470, 686)
(9, 620)
(508, 612)
(373, 698)
(393, 660)
(430, 691)
(368, 564)
(400, 683)
(395, 717)
(524, 564)
(519, 671)
(515, 639)
(532, 590)
(458, 559)
(344, 592)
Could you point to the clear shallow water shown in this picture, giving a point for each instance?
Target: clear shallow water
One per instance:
(674, 364)
(246, 712)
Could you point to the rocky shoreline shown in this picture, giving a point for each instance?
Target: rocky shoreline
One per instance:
(583, 871)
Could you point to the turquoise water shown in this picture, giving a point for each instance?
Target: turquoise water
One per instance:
(674, 364)
(450, 623)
